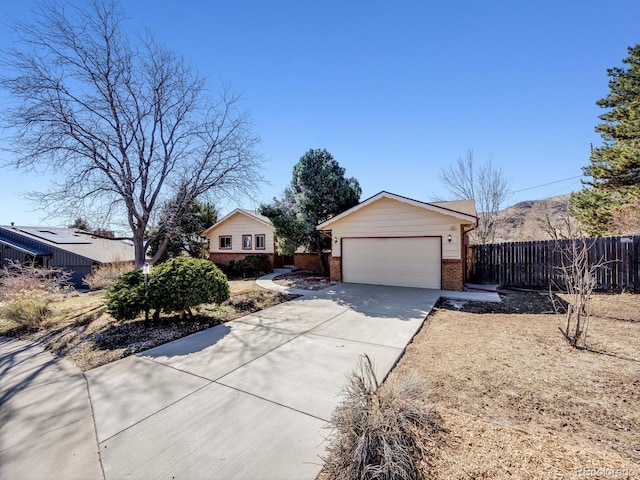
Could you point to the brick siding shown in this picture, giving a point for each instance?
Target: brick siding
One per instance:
(309, 261)
(335, 268)
(452, 274)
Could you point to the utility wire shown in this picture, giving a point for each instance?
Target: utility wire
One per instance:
(545, 184)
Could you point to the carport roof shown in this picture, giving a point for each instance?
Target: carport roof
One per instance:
(464, 210)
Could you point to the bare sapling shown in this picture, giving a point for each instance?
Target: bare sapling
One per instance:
(576, 277)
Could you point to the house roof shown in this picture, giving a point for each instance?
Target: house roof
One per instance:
(461, 209)
(462, 206)
(78, 242)
(238, 211)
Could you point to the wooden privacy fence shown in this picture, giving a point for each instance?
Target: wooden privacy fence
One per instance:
(536, 264)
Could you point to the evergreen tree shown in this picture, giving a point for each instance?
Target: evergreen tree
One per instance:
(318, 191)
(615, 166)
(185, 237)
(81, 224)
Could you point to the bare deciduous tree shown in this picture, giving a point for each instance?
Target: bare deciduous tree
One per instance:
(126, 125)
(484, 183)
(557, 225)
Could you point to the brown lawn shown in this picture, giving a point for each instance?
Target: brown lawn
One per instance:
(517, 402)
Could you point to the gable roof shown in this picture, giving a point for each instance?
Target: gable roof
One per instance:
(40, 240)
(460, 209)
(238, 211)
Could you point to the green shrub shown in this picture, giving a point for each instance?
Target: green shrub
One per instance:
(250, 266)
(182, 282)
(125, 298)
(29, 308)
(257, 264)
(173, 286)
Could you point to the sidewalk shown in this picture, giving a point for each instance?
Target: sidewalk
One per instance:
(46, 420)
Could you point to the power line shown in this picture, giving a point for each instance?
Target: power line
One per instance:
(545, 184)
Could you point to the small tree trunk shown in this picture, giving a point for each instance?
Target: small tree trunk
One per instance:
(138, 246)
(323, 267)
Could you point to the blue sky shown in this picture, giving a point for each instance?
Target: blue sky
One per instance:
(395, 90)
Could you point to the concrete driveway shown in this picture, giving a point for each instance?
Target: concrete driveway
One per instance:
(250, 398)
(247, 399)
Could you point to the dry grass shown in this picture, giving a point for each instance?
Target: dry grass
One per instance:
(379, 430)
(244, 286)
(518, 402)
(107, 274)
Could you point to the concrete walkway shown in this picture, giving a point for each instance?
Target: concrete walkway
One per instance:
(247, 399)
(267, 282)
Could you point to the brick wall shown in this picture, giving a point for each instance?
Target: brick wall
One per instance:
(224, 258)
(335, 268)
(452, 274)
(309, 261)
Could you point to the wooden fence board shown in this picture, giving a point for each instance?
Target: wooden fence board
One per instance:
(536, 264)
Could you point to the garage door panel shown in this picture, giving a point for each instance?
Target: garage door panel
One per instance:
(404, 262)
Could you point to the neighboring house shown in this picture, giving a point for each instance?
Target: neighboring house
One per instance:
(393, 240)
(73, 250)
(239, 234)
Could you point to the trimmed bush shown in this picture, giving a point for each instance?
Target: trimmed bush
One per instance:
(174, 286)
(183, 282)
(125, 298)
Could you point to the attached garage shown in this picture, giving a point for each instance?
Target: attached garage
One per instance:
(402, 262)
(393, 240)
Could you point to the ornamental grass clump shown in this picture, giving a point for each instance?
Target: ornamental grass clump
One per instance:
(28, 309)
(27, 291)
(378, 430)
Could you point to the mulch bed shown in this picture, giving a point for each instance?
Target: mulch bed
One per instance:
(304, 280)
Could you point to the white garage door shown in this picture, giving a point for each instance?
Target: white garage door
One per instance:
(403, 262)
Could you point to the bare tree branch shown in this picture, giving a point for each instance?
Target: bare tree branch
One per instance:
(485, 184)
(126, 125)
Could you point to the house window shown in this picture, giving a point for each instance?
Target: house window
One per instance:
(259, 242)
(246, 242)
(225, 242)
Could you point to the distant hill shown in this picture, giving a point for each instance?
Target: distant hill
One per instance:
(535, 220)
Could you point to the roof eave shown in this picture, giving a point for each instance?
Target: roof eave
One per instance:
(409, 201)
(229, 216)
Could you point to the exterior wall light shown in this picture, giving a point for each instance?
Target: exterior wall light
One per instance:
(449, 238)
(335, 239)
